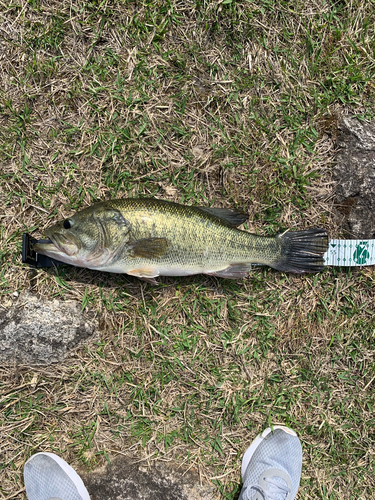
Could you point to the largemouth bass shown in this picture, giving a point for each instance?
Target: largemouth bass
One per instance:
(149, 238)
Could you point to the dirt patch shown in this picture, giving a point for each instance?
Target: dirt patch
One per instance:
(127, 479)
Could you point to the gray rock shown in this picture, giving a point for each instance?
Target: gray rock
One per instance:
(36, 331)
(354, 174)
(125, 480)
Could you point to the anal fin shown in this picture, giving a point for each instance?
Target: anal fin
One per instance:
(234, 272)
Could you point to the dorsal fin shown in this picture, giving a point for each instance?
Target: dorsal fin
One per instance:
(230, 215)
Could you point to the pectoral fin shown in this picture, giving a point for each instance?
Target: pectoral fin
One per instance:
(232, 216)
(235, 271)
(149, 248)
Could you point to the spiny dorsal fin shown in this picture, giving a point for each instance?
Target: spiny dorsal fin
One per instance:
(231, 216)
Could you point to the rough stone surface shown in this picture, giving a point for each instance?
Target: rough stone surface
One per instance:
(35, 331)
(355, 177)
(125, 480)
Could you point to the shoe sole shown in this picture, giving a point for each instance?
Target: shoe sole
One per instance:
(69, 471)
(254, 445)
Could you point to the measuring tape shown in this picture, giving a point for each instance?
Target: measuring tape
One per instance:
(350, 253)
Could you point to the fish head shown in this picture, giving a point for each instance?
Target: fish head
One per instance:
(90, 238)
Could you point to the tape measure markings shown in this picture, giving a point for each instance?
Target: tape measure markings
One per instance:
(350, 253)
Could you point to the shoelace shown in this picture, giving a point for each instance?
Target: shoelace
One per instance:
(274, 490)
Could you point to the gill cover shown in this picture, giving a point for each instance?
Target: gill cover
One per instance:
(104, 234)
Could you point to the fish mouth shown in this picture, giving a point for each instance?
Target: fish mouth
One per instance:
(58, 247)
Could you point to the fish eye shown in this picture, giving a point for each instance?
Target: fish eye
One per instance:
(67, 224)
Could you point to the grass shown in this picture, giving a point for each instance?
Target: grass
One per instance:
(212, 103)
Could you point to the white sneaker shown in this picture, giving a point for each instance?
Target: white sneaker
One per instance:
(49, 477)
(271, 466)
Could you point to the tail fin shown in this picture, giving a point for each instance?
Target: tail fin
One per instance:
(302, 251)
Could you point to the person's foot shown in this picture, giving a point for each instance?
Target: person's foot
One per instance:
(271, 466)
(49, 477)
